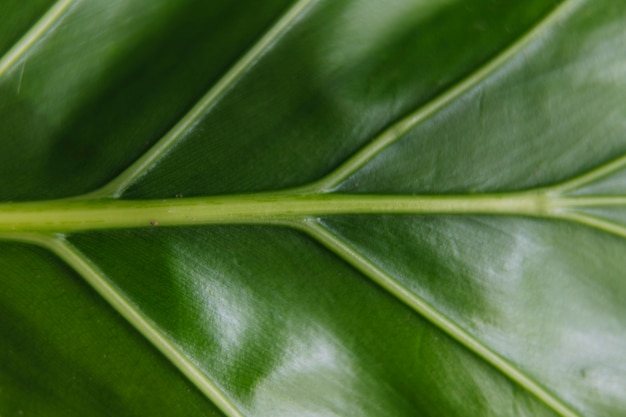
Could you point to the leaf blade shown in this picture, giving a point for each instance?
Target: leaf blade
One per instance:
(292, 148)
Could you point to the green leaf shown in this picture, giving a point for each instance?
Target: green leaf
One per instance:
(312, 208)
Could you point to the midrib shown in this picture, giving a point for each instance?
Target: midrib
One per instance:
(74, 215)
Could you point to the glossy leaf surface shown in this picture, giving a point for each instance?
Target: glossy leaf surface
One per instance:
(313, 208)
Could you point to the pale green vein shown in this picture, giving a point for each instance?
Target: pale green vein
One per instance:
(74, 215)
(588, 201)
(344, 250)
(118, 185)
(84, 267)
(52, 16)
(590, 177)
(39, 239)
(403, 126)
(595, 222)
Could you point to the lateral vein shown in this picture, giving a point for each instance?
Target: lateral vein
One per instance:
(84, 267)
(595, 222)
(118, 185)
(590, 177)
(36, 32)
(404, 125)
(350, 255)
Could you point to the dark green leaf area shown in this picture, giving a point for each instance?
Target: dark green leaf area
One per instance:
(66, 353)
(286, 328)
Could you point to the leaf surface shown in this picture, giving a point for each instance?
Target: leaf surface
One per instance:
(312, 208)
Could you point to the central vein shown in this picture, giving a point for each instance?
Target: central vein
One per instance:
(72, 215)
